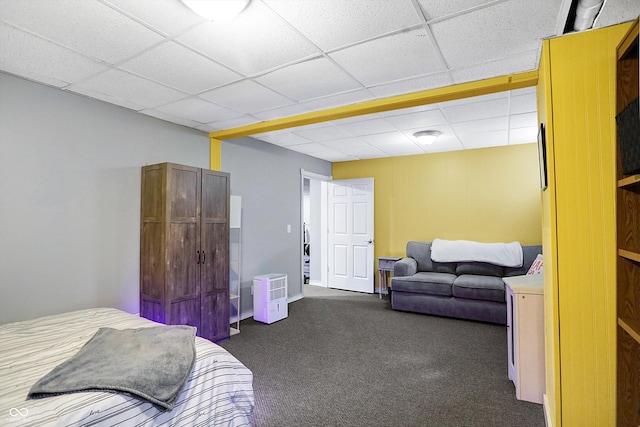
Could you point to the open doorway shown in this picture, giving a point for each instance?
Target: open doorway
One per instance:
(336, 236)
(314, 219)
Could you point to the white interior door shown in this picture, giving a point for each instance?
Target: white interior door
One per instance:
(350, 237)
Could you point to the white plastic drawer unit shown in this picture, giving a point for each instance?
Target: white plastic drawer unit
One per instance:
(270, 298)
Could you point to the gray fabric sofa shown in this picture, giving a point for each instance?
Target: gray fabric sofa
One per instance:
(466, 290)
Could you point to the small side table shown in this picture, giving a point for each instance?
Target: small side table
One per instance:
(385, 270)
(525, 335)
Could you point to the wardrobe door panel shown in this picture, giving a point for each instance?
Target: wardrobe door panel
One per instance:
(152, 260)
(184, 193)
(215, 196)
(215, 315)
(186, 312)
(184, 261)
(153, 194)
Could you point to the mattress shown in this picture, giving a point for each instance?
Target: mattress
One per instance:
(218, 392)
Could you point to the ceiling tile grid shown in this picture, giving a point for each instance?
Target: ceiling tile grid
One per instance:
(280, 58)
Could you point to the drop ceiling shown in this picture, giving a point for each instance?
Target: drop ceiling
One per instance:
(281, 58)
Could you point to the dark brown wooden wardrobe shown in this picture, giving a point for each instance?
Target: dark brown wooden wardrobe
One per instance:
(184, 248)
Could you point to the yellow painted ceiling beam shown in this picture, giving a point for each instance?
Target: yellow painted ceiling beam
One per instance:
(431, 96)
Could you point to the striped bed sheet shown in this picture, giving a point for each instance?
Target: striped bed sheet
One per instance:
(218, 392)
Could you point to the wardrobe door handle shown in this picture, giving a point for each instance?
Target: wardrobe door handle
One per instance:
(204, 257)
(198, 257)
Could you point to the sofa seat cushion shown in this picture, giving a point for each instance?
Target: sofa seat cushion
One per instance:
(424, 283)
(472, 286)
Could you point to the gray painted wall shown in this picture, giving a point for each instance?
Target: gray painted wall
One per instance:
(70, 197)
(268, 179)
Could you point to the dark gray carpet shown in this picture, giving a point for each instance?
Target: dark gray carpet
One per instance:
(348, 359)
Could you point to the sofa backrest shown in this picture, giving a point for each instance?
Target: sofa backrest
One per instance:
(421, 252)
(479, 269)
(529, 254)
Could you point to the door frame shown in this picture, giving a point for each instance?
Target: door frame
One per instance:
(321, 248)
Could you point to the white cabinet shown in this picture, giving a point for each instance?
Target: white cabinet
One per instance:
(270, 298)
(525, 335)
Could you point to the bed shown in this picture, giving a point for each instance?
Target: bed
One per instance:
(219, 390)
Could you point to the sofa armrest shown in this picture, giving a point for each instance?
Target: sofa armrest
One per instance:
(405, 267)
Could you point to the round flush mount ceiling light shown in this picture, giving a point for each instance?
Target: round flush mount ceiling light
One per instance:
(217, 10)
(426, 136)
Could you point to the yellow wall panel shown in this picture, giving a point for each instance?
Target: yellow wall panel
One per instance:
(583, 93)
(489, 195)
(552, 397)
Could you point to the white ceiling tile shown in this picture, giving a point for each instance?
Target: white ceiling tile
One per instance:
(364, 152)
(475, 99)
(447, 134)
(410, 110)
(506, 28)
(484, 125)
(387, 138)
(476, 110)
(129, 87)
(312, 147)
(440, 147)
(296, 81)
(448, 141)
(523, 120)
(110, 98)
(206, 127)
(615, 12)
(390, 58)
(277, 113)
(414, 84)
(367, 127)
(283, 139)
(167, 16)
(334, 156)
(331, 24)
(523, 91)
(345, 143)
(254, 42)
(523, 104)
(513, 64)
(422, 119)
(485, 139)
(246, 96)
(401, 149)
(180, 68)
(29, 56)
(233, 123)
(523, 135)
(338, 100)
(198, 110)
(321, 133)
(438, 9)
(169, 118)
(88, 27)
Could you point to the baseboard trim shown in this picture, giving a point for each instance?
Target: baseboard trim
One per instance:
(295, 298)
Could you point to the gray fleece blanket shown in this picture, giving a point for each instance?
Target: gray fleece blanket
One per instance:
(152, 363)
